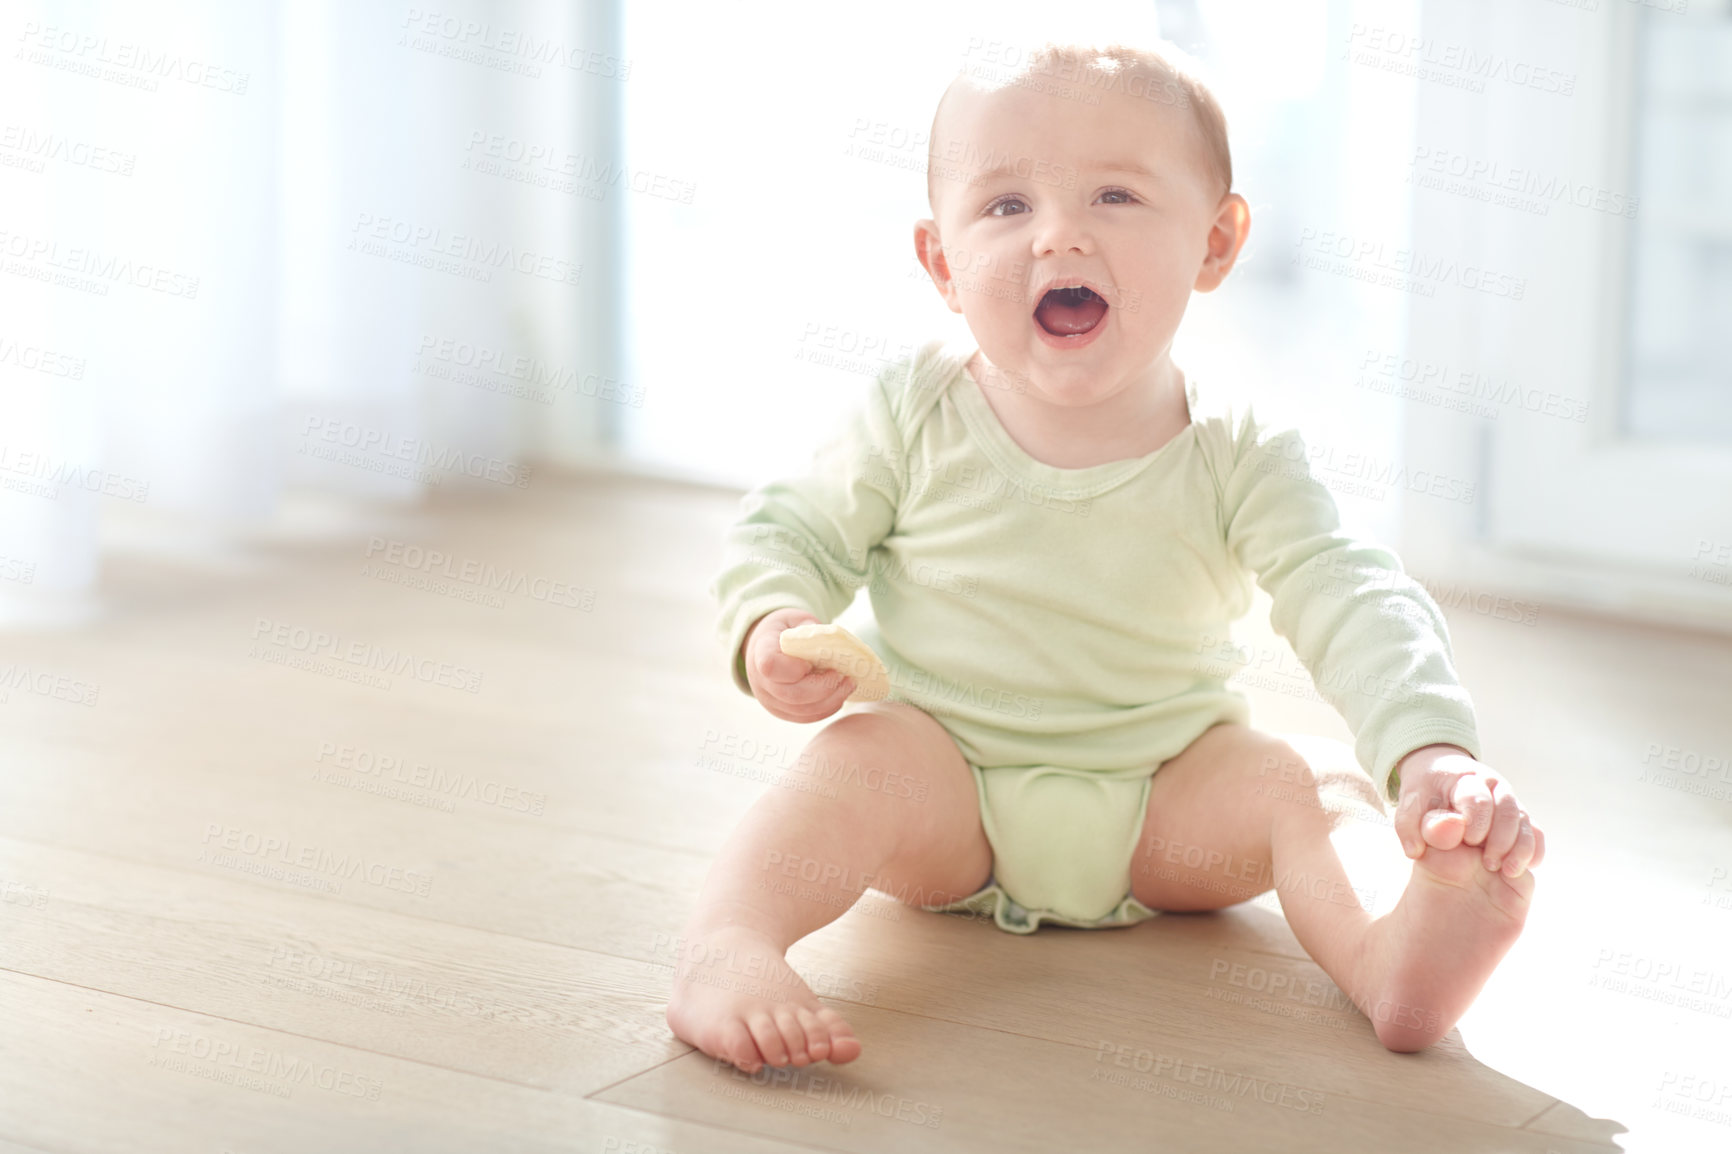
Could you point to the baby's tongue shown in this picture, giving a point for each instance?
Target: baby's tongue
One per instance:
(1064, 314)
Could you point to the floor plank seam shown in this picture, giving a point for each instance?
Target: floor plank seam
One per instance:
(786, 1141)
(296, 1034)
(1547, 1110)
(690, 1049)
(1084, 1046)
(338, 901)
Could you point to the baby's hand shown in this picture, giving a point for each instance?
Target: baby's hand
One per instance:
(790, 688)
(1450, 799)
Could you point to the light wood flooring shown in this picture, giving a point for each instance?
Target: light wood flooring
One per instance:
(219, 931)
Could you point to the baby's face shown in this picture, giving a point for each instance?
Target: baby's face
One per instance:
(1036, 191)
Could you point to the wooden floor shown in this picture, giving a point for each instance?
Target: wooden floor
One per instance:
(251, 906)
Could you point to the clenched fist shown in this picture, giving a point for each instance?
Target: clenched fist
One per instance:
(791, 689)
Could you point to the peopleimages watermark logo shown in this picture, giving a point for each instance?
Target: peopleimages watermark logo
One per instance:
(557, 169)
(412, 566)
(414, 458)
(22, 894)
(1510, 186)
(38, 474)
(503, 48)
(88, 270)
(122, 62)
(1356, 473)
(1668, 981)
(460, 254)
(255, 1068)
(797, 1090)
(31, 149)
(17, 569)
(1379, 264)
(268, 855)
(1220, 1088)
(496, 370)
(400, 778)
(60, 686)
(853, 350)
(1687, 770)
(1449, 64)
(1712, 561)
(959, 481)
(366, 659)
(37, 359)
(1461, 390)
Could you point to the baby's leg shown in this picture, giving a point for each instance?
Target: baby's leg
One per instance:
(917, 836)
(1240, 811)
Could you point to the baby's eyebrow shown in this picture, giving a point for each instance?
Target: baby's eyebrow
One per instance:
(1009, 168)
(1134, 166)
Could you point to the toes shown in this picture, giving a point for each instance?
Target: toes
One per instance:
(788, 1022)
(736, 1046)
(844, 1046)
(1522, 884)
(1443, 829)
(1520, 853)
(817, 1034)
(768, 1038)
(1509, 895)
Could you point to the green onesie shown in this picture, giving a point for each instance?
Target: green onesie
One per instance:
(1066, 626)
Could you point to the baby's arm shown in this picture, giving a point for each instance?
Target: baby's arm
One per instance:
(1377, 648)
(800, 551)
(1373, 640)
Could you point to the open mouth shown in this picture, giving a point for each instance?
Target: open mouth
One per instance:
(1069, 312)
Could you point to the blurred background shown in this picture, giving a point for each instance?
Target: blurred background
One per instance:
(258, 255)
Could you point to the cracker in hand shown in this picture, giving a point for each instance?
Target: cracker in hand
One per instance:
(833, 647)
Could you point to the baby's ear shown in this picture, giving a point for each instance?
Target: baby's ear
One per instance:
(930, 252)
(1227, 235)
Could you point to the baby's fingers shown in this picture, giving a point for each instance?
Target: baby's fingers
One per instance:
(782, 669)
(1472, 798)
(821, 708)
(1410, 814)
(817, 686)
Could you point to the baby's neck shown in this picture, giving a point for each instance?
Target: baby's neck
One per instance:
(1133, 423)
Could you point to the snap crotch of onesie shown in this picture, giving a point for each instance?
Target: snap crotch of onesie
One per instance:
(1063, 839)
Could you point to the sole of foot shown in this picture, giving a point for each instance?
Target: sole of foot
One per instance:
(1434, 952)
(736, 998)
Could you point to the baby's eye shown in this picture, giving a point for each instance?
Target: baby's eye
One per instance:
(992, 209)
(1129, 197)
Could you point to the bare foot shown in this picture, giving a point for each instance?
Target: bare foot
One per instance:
(737, 999)
(1427, 959)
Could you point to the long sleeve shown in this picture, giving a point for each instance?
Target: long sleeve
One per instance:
(1374, 641)
(804, 542)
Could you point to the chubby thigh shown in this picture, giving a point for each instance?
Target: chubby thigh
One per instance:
(928, 828)
(1205, 840)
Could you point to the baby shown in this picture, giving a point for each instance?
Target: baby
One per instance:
(1057, 528)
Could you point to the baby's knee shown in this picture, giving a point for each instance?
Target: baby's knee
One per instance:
(895, 727)
(873, 726)
(883, 749)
